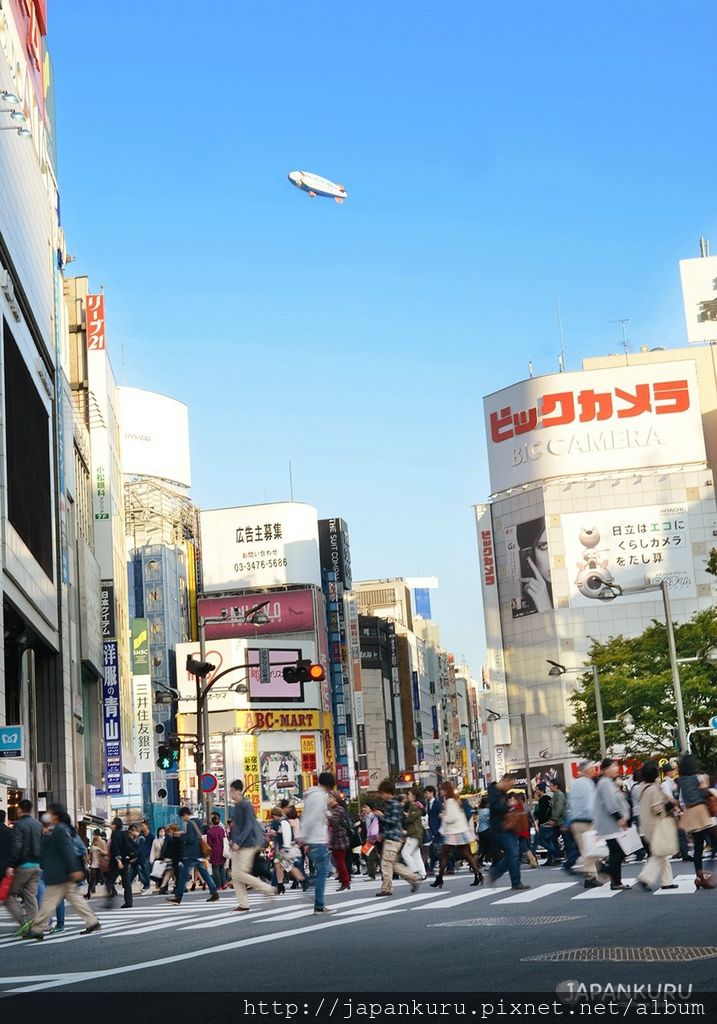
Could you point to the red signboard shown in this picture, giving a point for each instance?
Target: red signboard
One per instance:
(363, 778)
(96, 341)
(290, 611)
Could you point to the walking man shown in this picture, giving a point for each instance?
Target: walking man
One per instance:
(315, 832)
(581, 805)
(144, 850)
(62, 870)
(246, 839)
(506, 846)
(24, 866)
(192, 860)
(123, 854)
(392, 830)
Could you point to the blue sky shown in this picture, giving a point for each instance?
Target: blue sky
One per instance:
(494, 154)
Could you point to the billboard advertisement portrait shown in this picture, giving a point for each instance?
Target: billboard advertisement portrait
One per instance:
(528, 581)
(594, 421)
(628, 548)
(256, 546)
(155, 436)
(281, 776)
(291, 611)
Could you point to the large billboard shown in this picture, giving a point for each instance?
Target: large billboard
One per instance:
(289, 611)
(494, 676)
(335, 550)
(699, 295)
(628, 548)
(593, 421)
(155, 436)
(256, 546)
(111, 729)
(528, 568)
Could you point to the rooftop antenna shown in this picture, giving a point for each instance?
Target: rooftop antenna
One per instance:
(625, 339)
(531, 368)
(561, 357)
(704, 247)
(291, 481)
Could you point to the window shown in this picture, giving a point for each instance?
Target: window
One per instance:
(27, 437)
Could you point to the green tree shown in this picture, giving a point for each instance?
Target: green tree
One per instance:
(635, 677)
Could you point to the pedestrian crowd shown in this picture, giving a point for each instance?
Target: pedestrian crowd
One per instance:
(45, 864)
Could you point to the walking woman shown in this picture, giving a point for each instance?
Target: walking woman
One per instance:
(97, 861)
(457, 837)
(339, 839)
(483, 831)
(286, 852)
(611, 815)
(413, 824)
(658, 828)
(697, 817)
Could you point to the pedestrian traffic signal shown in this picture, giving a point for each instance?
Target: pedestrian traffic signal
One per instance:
(168, 755)
(406, 779)
(303, 671)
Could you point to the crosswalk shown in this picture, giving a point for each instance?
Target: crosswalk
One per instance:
(195, 915)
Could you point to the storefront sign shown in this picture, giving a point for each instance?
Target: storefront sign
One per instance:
(95, 308)
(278, 720)
(111, 718)
(593, 421)
(107, 609)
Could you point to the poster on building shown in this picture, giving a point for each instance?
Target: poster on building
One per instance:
(111, 718)
(699, 296)
(256, 546)
(528, 568)
(290, 611)
(570, 424)
(627, 549)
(494, 675)
(281, 777)
(309, 765)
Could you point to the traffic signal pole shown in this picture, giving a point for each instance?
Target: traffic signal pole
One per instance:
(203, 734)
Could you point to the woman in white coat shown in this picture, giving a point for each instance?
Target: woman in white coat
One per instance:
(457, 836)
(659, 829)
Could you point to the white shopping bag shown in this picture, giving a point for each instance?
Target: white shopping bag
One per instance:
(158, 869)
(594, 845)
(629, 840)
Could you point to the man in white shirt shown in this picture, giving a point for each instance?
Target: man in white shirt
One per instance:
(315, 832)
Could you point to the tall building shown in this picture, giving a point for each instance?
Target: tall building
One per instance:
(40, 680)
(602, 485)
(381, 699)
(335, 555)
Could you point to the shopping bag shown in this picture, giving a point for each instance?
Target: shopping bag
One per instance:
(594, 845)
(629, 840)
(5, 887)
(663, 841)
(158, 869)
(366, 849)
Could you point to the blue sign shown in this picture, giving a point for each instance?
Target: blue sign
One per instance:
(11, 741)
(111, 718)
(713, 722)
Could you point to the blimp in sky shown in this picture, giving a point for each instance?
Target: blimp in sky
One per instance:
(315, 185)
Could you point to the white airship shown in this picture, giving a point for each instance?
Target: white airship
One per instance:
(315, 185)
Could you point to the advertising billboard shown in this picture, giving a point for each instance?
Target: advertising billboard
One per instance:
(699, 296)
(255, 546)
(155, 435)
(144, 734)
(335, 550)
(291, 611)
(494, 674)
(528, 568)
(111, 730)
(629, 548)
(594, 421)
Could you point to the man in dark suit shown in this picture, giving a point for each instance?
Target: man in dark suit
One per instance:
(434, 806)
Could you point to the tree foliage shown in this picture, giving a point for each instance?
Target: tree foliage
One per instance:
(635, 677)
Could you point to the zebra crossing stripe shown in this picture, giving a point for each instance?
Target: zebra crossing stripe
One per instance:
(685, 883)
(455, 901)
(603, 893)
(531, 895)
(371, 907)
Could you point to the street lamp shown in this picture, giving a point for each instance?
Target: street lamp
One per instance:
(613, 590)
(556, 669)
(24, 133)
(495, 716)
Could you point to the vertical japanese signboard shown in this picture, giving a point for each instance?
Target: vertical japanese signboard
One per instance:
(493, 629)
(107, 608)
(111, 718)
(96, 339)
(144, 736)
(308, 760)
(251, 771)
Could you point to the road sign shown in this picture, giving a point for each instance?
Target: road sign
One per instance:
(713, 722)
(11, 741)
(208, 782)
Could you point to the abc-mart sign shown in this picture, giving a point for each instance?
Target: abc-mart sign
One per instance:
(594, 421)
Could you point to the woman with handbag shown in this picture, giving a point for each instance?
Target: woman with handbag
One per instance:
(457, 837)
(286, 852)
(698, 816)
(658, 827)
(413, 825)
(611, 816)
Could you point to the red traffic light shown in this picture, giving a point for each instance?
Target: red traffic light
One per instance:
(303, 671)
(405, 779)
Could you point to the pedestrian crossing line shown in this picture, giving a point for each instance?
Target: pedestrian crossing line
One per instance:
(531, 895)
(685, 883)
(603, 893)
(223, 919)
(455, 901)
(370, 907)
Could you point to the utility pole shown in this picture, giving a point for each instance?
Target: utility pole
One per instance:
(676, 682)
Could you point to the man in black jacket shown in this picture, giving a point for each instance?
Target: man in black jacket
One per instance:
(123, 854)
(5, 844)
(62, 869)
(192, 860)
(24, 865)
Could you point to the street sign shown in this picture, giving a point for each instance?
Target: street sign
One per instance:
(11, 741)
(264, 667)
(208, 782)
(5, 780)
(713, 722)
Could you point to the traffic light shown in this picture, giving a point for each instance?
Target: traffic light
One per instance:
(406, 779)
(168, 754)
(303, 671)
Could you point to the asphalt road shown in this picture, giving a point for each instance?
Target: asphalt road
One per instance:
(458, 939)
